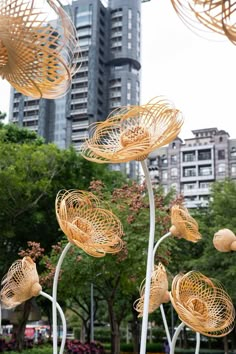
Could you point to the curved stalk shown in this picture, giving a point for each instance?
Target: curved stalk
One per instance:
(63, 320)
(149, 259)
(161, 306)
(198, 342)
(174, 339)
(54, 296)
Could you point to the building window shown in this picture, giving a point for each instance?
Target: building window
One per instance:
(205, 170)
(189, 186)
(233, 152)
(204, 154)
(204, 185)
(174, 172)
(173, 146)
(173, 159)
(233, 169)
(220, 139)
(221, 169)
(221, 154)
(189, 171)
(188, 156)
(164, 175)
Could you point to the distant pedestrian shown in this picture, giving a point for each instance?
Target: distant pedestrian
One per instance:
(166, 347)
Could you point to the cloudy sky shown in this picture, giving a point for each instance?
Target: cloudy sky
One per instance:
(198, 75)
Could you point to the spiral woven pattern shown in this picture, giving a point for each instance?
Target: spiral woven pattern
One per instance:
(217, 16)
(202, 304)
(132, 133)
(20, 283)
(96, 230)
(183, 225)
(37, 55)
(158, 291)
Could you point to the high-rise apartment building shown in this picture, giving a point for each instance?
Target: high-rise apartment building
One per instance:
(193, 165)
(109, 76)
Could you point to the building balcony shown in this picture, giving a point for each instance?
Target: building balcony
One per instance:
(78, 111)
(195, 191)
(79, 100)
(190, 204)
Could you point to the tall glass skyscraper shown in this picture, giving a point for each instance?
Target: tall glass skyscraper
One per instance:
(109, 76)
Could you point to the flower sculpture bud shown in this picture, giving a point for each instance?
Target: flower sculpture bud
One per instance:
(37, 55)
(158, 291)
(202, 304)
(20, 283)
(183, 225)
(95, 230)
(225, 240)
(132, 133)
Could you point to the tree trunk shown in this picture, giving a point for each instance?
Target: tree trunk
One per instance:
(226, 346)
(115, 330)
(19, 330)
(135, 330)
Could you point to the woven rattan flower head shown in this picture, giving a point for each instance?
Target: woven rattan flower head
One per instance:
(97, 231)
(202, 304)
(183, 225)
(224, 240)
(132, 133)
(158, 291)
(37, 54)
(20, 283)
(200, 15)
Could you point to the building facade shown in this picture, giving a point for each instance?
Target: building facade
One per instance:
(190, 167)
(109, 76)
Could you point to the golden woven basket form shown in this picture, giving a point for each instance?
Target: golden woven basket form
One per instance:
(216, 16)
(95, 230)
(36, 54)
(20, 283)
(202, 304)
(224, 240)
(184, 225)
(131, 133)
(158, 291)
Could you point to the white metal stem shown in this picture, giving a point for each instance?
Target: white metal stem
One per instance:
(157, 245)
(63, 320)
(174, 339)
(165, 324)
(198, 342)
(54, 295)
(149, 259)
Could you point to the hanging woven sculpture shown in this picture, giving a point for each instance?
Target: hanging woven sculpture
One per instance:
(183, 225)
(131, 133)
(37, 54)
(97, 231)
(202, 304)
(158, 291)
(225, 240)
(216, 16)
(20, 283)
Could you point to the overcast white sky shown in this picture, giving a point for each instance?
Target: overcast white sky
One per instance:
(198, 75)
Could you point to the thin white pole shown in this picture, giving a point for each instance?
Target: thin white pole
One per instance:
(149, 259)
(198, 342)
(54, 295)
(174, 339)
(161, 306)
(91, 314)
(63, 320)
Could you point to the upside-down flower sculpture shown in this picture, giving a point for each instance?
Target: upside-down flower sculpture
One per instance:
(131, 133)
(20, 283)
(202, 304)
(37, 54)
(95, 230)
(184, 225)
(217, 16)
(224, 240)
(158, 291)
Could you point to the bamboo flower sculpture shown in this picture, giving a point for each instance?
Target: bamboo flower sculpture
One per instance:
(225, 240)
(97, 231)
(183, 225)
(37, 54)
(132, 133)
(202, 304)
(20, 283)
(217, 16)
(158, 291)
